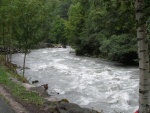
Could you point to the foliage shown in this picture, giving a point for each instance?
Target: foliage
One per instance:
(102, 28)
(118, 48)
(58, 31)
(88, 26)
(74, 24)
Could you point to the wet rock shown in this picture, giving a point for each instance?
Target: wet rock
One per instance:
(81, 110)
(87, 55)
(58, 46)
(25, 68)
(62, 111)
(66, 106)
(64, 100)
(52, 99)
(35, 81)
(50, 45)
(50, 108)
(64, 46)
(42, 45)
(40, 90)
(28, 86)
(45, 87)
(45, 45)
(72, 51)
(14, 65)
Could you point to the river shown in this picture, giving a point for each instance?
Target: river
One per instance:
(89, 82)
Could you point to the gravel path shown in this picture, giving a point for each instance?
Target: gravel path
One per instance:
(14, 106)
(4, 106)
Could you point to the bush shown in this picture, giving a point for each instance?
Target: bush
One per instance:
(121, 48)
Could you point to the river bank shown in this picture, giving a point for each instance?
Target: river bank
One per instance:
(23, 100)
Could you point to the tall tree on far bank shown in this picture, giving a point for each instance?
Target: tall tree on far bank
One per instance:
(144, 84)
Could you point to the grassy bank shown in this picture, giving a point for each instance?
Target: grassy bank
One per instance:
(17, 90)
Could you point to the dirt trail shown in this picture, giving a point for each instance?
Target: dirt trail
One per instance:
(18, 108)
(4, 106)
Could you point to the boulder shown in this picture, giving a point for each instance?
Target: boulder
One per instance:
(64, 100)
(40, 90)
(58, 46)
(81, 110)
(28, 86)
(62, 111)
(35, 81)
(64, 46)
(72, 51)
(52, 99)
(42, 45)
(50, 45)
(66, 105)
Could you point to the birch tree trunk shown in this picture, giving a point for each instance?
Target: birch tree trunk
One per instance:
(144, 84)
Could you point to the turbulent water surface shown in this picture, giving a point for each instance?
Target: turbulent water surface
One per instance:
(89, 82)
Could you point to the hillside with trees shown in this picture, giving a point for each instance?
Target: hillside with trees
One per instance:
(90, 27)
(101, 28)
(105, 29)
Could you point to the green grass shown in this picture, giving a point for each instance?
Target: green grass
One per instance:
(17, 90)
(11, 69)
(17, 76)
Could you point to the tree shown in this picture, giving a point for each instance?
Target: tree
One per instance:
(144, 83)
(27, 28)
(75, 24)
(6, 17)
(58, 31)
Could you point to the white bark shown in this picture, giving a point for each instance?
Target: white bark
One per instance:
(144, 85)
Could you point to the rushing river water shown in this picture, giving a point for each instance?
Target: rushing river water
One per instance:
(89, 82)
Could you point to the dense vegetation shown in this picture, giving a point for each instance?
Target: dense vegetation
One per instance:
(107, 29)
(102, 28)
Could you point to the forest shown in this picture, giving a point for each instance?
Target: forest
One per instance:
(100, 28)
(116, 30)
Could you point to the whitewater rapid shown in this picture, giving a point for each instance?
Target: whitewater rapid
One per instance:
(89, 82)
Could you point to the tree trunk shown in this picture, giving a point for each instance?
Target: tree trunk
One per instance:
(4, 42)
(144, 84)
(24, 62)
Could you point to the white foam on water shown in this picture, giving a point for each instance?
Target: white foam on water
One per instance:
(61, 67)
(54, 50)
(84, 100)
(45, 52)
(57, 60)
(71, 58)
(38, 67)
(42, 67)
(55, 90)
